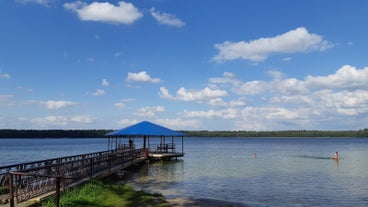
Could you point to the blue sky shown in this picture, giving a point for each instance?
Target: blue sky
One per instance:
(192, 65)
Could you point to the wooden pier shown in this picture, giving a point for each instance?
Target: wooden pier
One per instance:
(35, 180)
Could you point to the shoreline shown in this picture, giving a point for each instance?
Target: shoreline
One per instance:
(202, 202)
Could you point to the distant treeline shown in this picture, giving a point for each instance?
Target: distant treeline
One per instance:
(94, 133)
(13, 133)
(291, 133)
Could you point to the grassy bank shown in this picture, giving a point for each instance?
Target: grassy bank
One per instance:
(106, 194)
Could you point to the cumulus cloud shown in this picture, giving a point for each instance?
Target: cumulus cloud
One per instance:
(183, 94)
(167, 19)
(99, 92)
(105, 83)
(121, 103)
(347, 103)
(4, 76)
(269, 118)
(123, 13)
(298, 40)
(41, 2)
(142, 77)
(60, 121)
(82, 119)
(230, 113)
(50, 120)
(228, 78)
(347, 77)
(282, 103)
(127, 122)
(179, 123)
(149, 111)
(52, 104)
(6, 100)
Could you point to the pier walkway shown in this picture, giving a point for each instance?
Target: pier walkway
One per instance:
(34, 180)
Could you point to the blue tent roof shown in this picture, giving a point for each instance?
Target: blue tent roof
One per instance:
(146, 128)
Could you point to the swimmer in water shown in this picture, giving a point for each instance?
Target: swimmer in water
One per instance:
(336, 156)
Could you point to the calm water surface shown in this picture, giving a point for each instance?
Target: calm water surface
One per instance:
(286, 172)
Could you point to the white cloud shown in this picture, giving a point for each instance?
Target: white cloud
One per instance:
(230, 113)
(287, 59)
(99, 92)
(298, 40)
(149, 111)
(228, 78)
(4, 76)
(220, 102)
(6, 100)
(252, 87)
(105, 83)
(120, 105)
(60, 121)
(347, 103)
(183, 94)
(217, 102)
(347, 77)
(82, 119)
(313, 110)
(167, 19)
(142, 77)
(277, 85)
(127, 122)
(41, 2)
(164, 93)
(268, 118)
(50, 121)
(52, 105)
(178, 123)
(123, 13)
(122, 102)
(332, 101)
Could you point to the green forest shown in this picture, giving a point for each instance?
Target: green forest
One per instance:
(289, 133)
(98, 133)
(52, 133)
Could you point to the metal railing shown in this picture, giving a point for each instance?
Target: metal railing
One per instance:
(162, 148)
(29, 180)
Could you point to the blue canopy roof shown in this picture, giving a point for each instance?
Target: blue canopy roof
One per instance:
(146, 128)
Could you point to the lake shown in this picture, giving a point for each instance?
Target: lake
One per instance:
(284, 172)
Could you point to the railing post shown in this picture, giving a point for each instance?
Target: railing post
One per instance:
(57, 199)
(11, 190)
(91, 167)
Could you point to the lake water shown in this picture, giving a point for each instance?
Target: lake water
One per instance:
(285, 172)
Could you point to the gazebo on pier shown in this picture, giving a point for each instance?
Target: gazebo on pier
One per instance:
(158, 141)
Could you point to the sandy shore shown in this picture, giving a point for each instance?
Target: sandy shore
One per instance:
(202, 202)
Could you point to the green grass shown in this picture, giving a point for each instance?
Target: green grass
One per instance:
(99, 193)
(4, 190)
